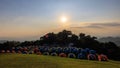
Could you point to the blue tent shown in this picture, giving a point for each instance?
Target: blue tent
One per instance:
(81, 56)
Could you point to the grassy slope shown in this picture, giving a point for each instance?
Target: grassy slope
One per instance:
(40, 61)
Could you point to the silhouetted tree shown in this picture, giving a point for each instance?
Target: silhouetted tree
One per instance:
(65, 37)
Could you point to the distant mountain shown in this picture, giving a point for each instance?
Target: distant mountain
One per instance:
(2, 41)
(116, 40)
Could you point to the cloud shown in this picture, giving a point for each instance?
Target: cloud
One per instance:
(112, 24)
(99, 25)
(90, 26)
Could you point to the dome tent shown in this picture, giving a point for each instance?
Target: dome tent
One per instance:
(102, 57)
(91, 57)
(46, 53)
(81, 56)
(54, 54)
(71, 55)
(62, 55)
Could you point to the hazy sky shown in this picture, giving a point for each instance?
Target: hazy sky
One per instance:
(30, 19)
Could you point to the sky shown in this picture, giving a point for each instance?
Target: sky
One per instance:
(30, 19)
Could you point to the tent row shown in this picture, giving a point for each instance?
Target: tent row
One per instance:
(71, 52)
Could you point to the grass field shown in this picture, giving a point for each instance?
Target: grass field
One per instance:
(40, 61)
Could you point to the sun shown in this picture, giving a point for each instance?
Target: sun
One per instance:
(63, 19)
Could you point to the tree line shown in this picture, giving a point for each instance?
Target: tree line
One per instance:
(66, 38)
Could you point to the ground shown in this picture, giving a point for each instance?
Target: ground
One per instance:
(40, 61)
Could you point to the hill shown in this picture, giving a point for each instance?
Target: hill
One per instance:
(116, 40)
(40, 61)
(3, 41)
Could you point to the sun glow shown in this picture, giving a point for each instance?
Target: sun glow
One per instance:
(64, 22)
(63, 19)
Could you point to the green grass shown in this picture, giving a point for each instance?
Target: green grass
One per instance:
(40, 61)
